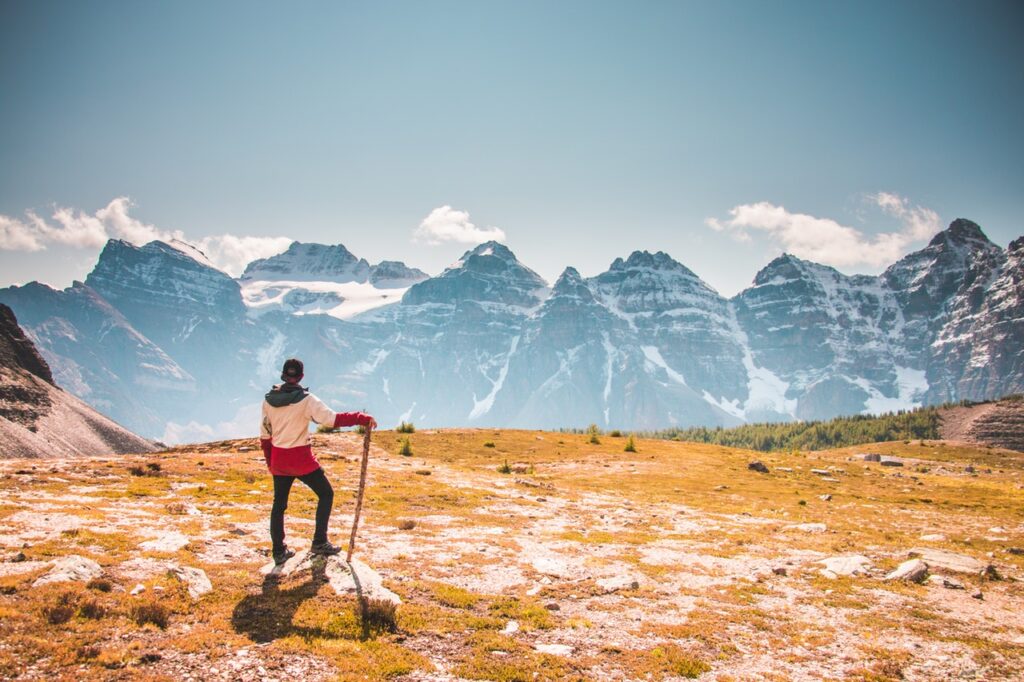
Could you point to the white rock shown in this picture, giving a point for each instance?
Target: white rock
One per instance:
(552, 566)
(933, 537)
(808, 527)
(851, 565)
(554, 649)
(913, 570)
(357, 578)
(618, 582)
(511, 628)
(950, 561)
(70, 568)
(138, 589)
(943, 581)
(194, 578)
(168, 542)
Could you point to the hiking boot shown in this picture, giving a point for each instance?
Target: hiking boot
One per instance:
(282, 556)
(325, 548)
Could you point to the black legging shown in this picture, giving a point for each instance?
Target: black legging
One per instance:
(318, 483)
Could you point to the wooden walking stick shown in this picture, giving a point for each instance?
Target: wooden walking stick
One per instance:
(359, 495)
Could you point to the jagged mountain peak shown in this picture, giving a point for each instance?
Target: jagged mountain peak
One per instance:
(492, 248)
(789, 267)
(651, 261)
(310, 261)
(17, 351)
(570, 283)
(489, 272)
(961, 231)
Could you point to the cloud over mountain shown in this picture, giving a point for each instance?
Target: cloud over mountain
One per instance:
(446, 224)
(82, 230)
(828, 241)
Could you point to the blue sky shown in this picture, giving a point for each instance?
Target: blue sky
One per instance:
(721, 133)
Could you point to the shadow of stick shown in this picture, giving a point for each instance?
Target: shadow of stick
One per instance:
(364, 607)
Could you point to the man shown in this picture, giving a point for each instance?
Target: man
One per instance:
(284, 437)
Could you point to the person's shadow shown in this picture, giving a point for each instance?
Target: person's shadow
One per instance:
(270, 614)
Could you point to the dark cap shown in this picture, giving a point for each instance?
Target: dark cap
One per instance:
(292, 370)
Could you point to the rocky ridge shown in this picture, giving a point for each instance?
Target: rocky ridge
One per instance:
(644, 345)
(38, 419)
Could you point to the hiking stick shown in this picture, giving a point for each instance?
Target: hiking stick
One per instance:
(359, 496)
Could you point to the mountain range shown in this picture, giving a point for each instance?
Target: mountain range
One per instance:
(173, 348)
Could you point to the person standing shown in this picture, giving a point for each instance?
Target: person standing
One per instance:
(284, 437)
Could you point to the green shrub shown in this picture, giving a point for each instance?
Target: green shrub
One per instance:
(325, 428)
(505, 468)
(615, 433)
(489, 444)
(594, 432)
(630, 444)
(406, 447)
(405, 427)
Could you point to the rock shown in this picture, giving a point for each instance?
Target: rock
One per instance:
(779, 570)
(933, 537)
(913, 570)
(510, 628)
(17, 558)
(617, 583)
(554, 649)
(890, 462)
(808, 527)
(138, 589)
(821, 472)
(758, 467)
(357, 578)
(168, 542)
(943, 581)
(552, 566)
(825, 498)
(872, 457)
(553, 606)
(70, 568)
(949, 561)
(786, 469)
(977, 595)
(990, 573)
(968, 469)
(1018, 551)
(850, 565)
(194, 578)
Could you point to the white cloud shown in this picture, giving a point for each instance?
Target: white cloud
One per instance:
(78, 229)
(231, 253)
(17, 235)
(445, 224)
(826, 241)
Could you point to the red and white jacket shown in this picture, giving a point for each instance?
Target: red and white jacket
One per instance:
(284, 433)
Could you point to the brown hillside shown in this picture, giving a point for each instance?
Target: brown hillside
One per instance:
(38, 419)
(998, 423)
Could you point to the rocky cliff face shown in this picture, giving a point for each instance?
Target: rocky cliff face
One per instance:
(171, 344)
(38, 419)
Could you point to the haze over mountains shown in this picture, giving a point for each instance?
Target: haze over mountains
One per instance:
(173, 348)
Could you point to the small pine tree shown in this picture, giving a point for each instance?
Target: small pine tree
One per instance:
(630, 444)
(406, 449)
(594, 432)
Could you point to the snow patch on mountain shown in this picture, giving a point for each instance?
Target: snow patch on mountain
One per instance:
(482, 407)
(653, 356)
(341, 300)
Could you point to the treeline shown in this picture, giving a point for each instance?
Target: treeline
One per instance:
(921, 423)
(816, 435)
